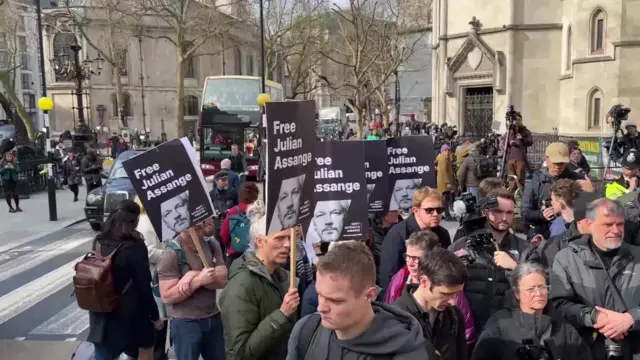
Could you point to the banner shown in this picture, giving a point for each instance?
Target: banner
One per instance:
(377, 174)
(291, 141)
(171, 187)
(411, 166)
(340, 201)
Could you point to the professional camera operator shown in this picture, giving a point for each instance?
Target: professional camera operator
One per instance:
(594, 285)
(630, 140)
(520, 139)
(629, 180)
(491, 253)
(536, 201)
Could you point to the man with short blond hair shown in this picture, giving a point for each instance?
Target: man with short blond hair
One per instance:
(426, 214)
(349, 322)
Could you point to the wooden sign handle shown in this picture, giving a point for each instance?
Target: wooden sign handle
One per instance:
(292, 259)
(198, 243)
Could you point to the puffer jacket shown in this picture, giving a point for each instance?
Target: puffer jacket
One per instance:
(398, 285)
(466, 172)
(573, 295)
(535, 192)
(506, 330)
(254, 326)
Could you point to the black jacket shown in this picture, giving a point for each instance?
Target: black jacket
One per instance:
(630, 142)
(507, 329)
(488, 289)
(547, 250)
(238, 163)
(394, 247)
(223, 201)
(378, 233)
(446, 335)
(133, 319)
(535, 192)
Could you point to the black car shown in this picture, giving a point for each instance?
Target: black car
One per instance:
(117, 187)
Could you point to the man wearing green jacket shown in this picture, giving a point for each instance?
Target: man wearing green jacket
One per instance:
(259, 308)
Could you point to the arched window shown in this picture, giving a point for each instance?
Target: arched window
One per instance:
(598, 31)
(191, 106)
(250, 70)
(189, 65)
(62, 50)
(596, 113)
(238, 64)
(567, 65)
(127, 105)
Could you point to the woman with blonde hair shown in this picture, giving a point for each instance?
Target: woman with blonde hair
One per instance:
(155, 247)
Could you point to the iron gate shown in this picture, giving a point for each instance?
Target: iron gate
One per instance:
(478, 112)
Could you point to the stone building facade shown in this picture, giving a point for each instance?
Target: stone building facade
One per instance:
(154, 59)
(563, 64)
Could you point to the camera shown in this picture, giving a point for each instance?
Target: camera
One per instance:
(612, 349)
(511, 115)
(472, 219)
(480, 245)
(618, 113)
(530, 351)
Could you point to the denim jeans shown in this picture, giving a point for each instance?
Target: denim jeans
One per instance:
(193, 338)
(475, 191)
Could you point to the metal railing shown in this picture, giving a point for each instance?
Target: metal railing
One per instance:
(30, 180)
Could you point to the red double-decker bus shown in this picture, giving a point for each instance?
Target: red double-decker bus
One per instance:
(230, 115)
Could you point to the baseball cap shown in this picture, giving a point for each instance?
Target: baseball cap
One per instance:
(557, 152)
(581, 203)
(631, 159)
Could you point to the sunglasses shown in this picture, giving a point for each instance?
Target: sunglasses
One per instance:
(436, 210)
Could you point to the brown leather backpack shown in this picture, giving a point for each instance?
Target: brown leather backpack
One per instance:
(93, 282)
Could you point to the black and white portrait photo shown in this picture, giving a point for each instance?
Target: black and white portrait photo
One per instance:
(288, 204)
(176, 216)
(328, 221)
(402, 194)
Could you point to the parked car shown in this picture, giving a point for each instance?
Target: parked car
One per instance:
(117, 187)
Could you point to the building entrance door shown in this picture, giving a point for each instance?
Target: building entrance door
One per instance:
(478, 112)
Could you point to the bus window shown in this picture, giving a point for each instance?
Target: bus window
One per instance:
(231, 93)
(218, 140)
(251, 136)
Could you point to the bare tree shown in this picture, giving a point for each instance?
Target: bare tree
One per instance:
(294, 38)
(12, 45)
(371, 42)
(192, 26)
(108, 27)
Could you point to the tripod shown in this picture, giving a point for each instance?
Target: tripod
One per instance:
(503, 174)
(614, 142)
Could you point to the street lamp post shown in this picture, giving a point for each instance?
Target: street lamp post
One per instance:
(262, 101)
(79, 72)
(45, 104)
(262, 55)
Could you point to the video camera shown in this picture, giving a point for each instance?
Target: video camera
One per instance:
(530, 351)
(618, 113)
(473, 224)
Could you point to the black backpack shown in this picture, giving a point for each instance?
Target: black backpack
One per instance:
(483, 168)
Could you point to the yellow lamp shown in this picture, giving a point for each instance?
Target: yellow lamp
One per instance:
(263, 99)
(45, 104)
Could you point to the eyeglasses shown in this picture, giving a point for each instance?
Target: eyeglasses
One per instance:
(541, 289)
(430, 210)
(409, 258)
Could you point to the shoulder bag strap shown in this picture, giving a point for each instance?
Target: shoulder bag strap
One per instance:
(614, 288)
(307, 332)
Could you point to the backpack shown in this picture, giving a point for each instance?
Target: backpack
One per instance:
(93, 282)
(308, 330)
(182, 265)
(483, 168)
(239, 225)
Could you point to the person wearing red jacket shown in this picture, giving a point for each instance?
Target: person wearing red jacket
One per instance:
(249, 193)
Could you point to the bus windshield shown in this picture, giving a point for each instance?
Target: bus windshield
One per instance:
(217, 141)
(239, 94)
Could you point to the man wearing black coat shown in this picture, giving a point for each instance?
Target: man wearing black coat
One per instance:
(426, 214)
(223, 198)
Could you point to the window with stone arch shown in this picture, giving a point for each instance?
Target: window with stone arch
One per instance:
(191, 107)
(598, 31)
(62, 43)
(250, 70)
(596, 111)
(115, 109)
(567, 64)
(238, 62)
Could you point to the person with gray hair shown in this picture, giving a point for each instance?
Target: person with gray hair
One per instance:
(527, 332)
(595, 284)
(234, 178)
(259, 308)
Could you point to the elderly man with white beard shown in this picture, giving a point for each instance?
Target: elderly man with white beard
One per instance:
(595, 284)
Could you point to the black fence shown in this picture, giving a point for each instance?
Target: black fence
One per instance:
(30, 180)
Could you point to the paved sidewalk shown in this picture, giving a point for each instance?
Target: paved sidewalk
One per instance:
(34, 222)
